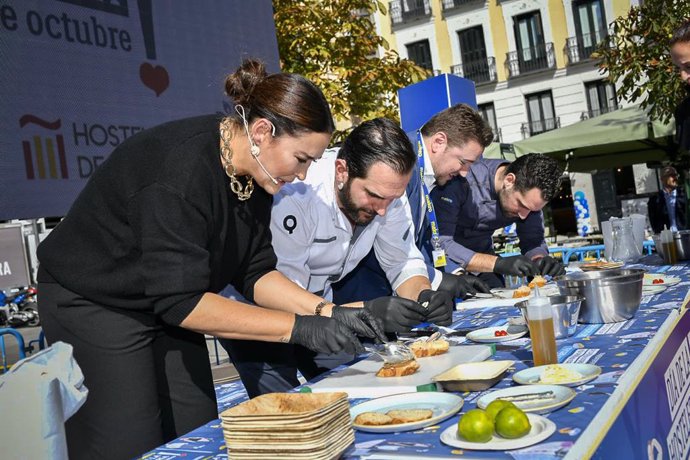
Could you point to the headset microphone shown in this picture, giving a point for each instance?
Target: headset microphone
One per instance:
(254, 149)
(255, 153)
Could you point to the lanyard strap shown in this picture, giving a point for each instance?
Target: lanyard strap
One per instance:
(431, 213)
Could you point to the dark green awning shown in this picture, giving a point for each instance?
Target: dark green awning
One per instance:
(623, 137)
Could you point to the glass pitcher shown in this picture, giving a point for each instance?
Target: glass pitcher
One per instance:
(624, 247)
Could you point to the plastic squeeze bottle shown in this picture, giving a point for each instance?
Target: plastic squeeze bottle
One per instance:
(540, 318)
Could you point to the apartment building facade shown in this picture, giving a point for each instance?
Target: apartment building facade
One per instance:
(530, 61)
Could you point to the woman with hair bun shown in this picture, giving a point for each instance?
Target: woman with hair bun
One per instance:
(175, 214)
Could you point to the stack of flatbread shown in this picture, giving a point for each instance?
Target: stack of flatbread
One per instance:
(289, 425)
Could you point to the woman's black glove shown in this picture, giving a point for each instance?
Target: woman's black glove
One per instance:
(439, 306)
(397, 313)
(324, 335)
(550, 266)
(359, 321)
(515, 265)
(461, 285)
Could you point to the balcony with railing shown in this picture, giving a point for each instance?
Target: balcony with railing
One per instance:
(404, 11)
(448, 5)
(532, 59)
(581, 47)
(534, 127)
(481, 71)
(591, 113)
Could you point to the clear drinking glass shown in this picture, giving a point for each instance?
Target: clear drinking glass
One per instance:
(624, 247)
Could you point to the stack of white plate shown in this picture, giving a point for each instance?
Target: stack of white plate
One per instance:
(289, 425)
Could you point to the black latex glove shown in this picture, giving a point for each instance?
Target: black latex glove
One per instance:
(359, 321)
(550, 266)
(324, 335)
(398, 314)
(462, 285)
(515, 265)
(439, 308)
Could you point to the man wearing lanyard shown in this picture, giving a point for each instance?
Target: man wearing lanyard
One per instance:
(446, 147)
(494, 194)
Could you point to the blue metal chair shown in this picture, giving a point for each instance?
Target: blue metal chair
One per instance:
(20, 343)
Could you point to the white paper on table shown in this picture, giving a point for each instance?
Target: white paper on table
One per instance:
(37, 395)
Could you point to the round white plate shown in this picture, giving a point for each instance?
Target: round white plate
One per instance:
(601, 265)
(668, 279)
(561, 396)
(542, 428)
(481, 295)
(443, 405)
(487, 334)
(531, 375)
(507, 293)
(653, 289)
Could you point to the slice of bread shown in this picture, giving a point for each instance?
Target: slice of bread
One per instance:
(537, 281)
(409, 415)
(373, 418)
(522, 291)
(422, 349)
(398, 370)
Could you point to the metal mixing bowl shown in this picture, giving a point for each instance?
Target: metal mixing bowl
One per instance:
(566, 310)
(610, 296)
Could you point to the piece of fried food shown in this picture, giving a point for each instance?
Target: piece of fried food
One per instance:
(373, 418)
(522, 291)
(409, 415)
(422, 349)
(399, 369)
(537, 281)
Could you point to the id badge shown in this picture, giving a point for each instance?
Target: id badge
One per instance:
(439, 256)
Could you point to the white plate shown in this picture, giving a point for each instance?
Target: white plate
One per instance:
(443, 405)
(562, 396)
(531, 375)
(601, 265)
(487, 334)
(507, 293)
(653, 289)
(668, 279)
(542, 428)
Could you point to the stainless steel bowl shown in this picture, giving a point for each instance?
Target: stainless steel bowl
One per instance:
(566, 310)
(682, 240)
(610, 296)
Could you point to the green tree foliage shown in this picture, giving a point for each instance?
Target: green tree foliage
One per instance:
(334, 44)
(637, 55)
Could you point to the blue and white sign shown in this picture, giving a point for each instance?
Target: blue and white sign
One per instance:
(655, 422)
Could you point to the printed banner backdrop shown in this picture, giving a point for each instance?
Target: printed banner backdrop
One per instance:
(81, 76)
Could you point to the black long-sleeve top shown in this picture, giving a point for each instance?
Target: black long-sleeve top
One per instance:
(157, 226)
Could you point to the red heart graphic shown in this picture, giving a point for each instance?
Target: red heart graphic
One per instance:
(155, 78)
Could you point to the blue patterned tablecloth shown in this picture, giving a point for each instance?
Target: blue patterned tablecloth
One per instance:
(613, 347)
